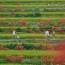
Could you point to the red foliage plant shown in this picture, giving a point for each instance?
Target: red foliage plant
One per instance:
(1, 20)
(41, 23)
(1, 8)
(50, 48)
(60, 57)
(19, 58)
(8, 57)
(12, 23)
(47, 59)
(14, 58)
(59, 30)
(62, 22)
(20, 48)
(22, 22)
(54, 25)
(3, 48)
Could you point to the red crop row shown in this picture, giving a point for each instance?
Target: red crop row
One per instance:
(14, 59)
(56, 46)
(3, 48)
(23, 22)
(16, 48)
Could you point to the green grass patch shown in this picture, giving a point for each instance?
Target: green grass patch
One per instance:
(28, 52)
(30, 35)
(32, 6)
(15, 64)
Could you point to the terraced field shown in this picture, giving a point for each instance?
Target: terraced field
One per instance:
(30, 18)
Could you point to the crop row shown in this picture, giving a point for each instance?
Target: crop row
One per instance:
(30, 20)
(61, 3)
(32, 14)
(47, 60)
(33, 0)
(30, 46)
(37, 19)
(32, 6)
(44, 23)
(14, 64)
(31, 29)
(29, 53)
(29, 36)
(25, 56)
(33, 3)
(32, 9)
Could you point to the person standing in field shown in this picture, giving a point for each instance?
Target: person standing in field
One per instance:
(14, 34)
(47, 35)
(54, 34)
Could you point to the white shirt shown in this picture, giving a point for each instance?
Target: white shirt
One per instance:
(47, 33)
(14, 32)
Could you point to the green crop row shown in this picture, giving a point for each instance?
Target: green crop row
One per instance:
(29, 36)
(27, 52)
(34, 0)
(31, 2)
(30, 19)
(32, 6)
(32, 14)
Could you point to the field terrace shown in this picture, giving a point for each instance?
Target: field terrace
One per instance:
(30, 18)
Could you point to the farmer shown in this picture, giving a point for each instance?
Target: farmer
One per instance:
(14, 34)
(47, 34)
(54, 34)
